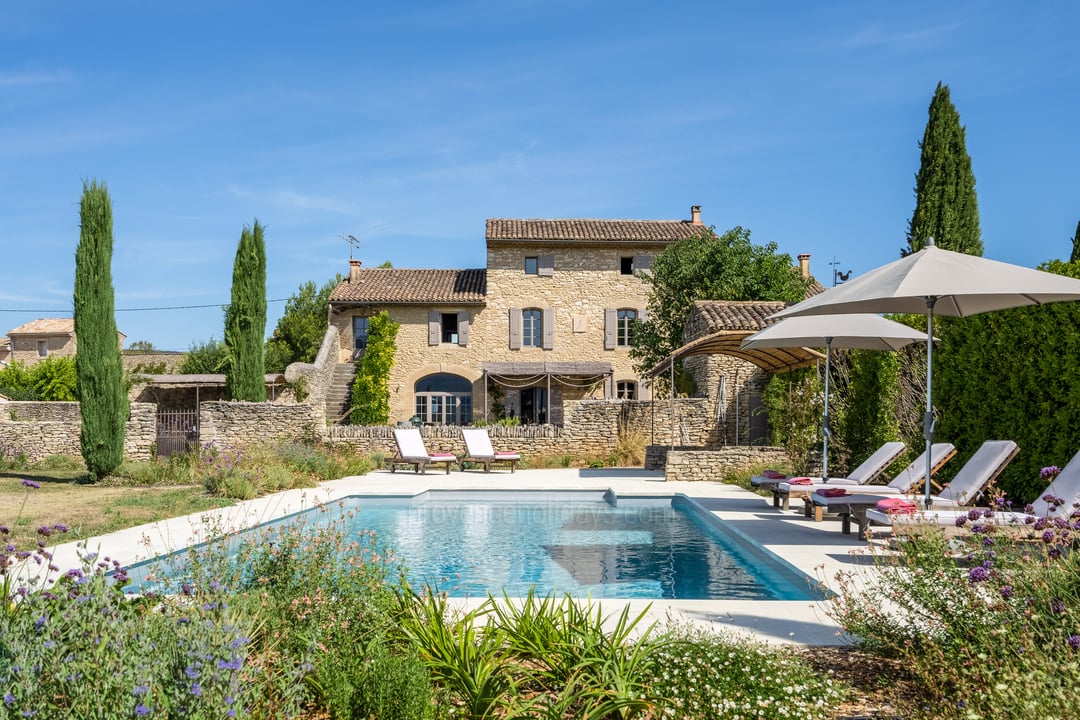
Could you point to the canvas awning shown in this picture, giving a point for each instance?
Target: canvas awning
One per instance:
(727, 342)
(518, 369)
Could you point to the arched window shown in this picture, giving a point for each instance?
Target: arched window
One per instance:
(624, 327)
(532, 327)
(444, 399)
(626, 390)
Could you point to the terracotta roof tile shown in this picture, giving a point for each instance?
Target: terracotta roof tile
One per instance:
(731, 315)
(593, 230)
(46, 326)
(390, 286)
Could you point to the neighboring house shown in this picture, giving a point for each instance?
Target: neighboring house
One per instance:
(45, 337)
(5, 351)
(547, 321)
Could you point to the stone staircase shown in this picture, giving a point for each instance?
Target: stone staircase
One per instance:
(337, 395)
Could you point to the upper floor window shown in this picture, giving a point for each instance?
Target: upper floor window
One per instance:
(360, 333)
(532, 327)
(637, 263)
(450, 327)
(624, 327)
(532, 266)
(626, 390)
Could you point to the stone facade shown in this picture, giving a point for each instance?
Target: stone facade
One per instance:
(577, 273)
(45, 337)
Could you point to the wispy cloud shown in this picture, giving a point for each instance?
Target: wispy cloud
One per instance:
(903, 39)
(25, 78)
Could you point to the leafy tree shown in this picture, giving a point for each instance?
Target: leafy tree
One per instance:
(100, 372)
(205, 358)
(866, 400)
(946, 207)
(371, 388)
(245, 320)
(144, 346)
(708, 267)
(300, 330)
(17, 382)
(56, 378)
(1075, 257)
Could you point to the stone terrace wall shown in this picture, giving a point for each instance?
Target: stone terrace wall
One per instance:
(316, 376)
(715, 464)
(52, 428)
(591, 429)
(240, 424)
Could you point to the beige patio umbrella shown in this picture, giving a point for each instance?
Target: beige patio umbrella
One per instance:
(934, 281)
(864, 331)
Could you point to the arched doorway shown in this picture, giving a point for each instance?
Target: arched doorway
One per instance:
(443, 399)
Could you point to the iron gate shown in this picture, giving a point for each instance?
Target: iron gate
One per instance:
(177, 431)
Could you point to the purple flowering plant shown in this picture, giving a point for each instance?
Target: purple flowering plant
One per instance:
(996, 604)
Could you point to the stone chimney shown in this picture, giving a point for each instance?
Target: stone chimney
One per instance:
(695, 214)
(354, 270)
(804, 265)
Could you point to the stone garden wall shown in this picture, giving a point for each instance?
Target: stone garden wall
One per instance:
(713, 465)
(41, 429)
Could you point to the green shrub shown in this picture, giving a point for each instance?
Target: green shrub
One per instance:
(60, 462)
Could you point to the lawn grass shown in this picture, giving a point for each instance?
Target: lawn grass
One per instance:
(90, 510)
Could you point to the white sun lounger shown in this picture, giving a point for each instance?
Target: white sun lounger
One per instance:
(867, 471)
(870, 468)
(858, 498)
(1066, 487)
(478, 449)
(411, 451)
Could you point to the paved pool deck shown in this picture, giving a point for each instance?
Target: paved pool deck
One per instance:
(818, 549)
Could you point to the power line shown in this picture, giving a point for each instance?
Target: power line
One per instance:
(142, 309)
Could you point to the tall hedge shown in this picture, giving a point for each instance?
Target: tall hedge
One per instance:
(245, 320)
(1013, 374)
(103, 402)
(371, 388)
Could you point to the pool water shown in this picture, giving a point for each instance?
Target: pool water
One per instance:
(471, 543)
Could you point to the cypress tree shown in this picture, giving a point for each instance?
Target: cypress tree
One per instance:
(103, 399)
(946, 207)
(245, 320)
(1076, 245)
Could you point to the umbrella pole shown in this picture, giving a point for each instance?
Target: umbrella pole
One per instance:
(928, 419)
(825, 419)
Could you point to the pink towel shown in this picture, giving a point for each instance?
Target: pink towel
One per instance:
(503, 453)
(831, 492)
(442, 456)
(773, 474)
(897, 506)
(800, 481)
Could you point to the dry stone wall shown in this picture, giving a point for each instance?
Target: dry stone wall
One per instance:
(315, 378)
(713, 465)
(41, 429)
(241, 424)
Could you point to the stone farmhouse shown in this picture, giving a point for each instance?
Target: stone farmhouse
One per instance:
(42, 338)
(546, 322)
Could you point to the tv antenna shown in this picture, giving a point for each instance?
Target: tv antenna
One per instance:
(837, 276)
(354, 244)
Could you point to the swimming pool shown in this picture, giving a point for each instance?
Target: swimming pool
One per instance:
(471, 543)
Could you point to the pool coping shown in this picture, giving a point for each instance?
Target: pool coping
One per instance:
(817, 549)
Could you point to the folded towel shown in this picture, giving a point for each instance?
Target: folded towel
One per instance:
(831, 492)
(897, 506)
(773, 474)
(442, 456)
(507, 454)
(800, 481)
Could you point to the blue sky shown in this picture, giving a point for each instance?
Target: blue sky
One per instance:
(408, 124)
